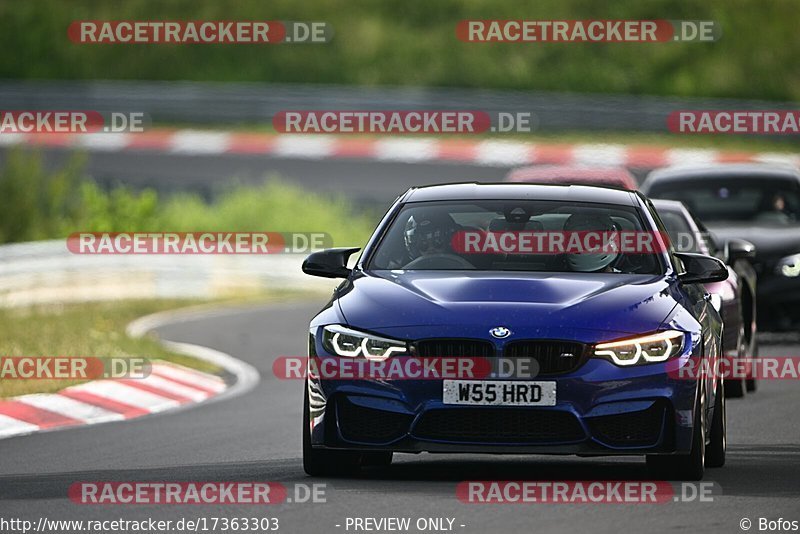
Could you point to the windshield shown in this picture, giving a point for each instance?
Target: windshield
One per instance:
(518, 235)
(764, 200)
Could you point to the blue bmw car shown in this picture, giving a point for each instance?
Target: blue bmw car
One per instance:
(604, 334)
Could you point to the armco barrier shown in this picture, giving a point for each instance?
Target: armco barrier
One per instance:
(232, 103)
(45, 271)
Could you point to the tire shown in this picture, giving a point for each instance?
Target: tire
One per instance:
(715, 451)
(751, 385)
(751, 382)
(324, 462)
(683, 466)
(735, 388)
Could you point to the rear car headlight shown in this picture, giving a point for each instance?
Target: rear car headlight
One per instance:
(789, 266)
(343, 341)
(658, 347)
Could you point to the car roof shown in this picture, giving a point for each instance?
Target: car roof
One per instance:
(574, 174)
(669, 205)
(674, 206)
(730, 171)
(520, 191)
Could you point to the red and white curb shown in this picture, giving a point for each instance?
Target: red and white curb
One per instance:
(168, 387)
(493, 153)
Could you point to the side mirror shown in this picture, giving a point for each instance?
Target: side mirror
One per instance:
(739, 249)
(330, 263)
(701, 269)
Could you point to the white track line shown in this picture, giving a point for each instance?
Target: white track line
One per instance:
(247, 376)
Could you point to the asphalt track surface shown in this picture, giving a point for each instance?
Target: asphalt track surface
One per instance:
(368, 181)
(256, 437)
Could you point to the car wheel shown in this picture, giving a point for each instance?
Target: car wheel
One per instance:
(735, 388)
(324, 462)
(751, 385)
(715, 452)
(683, 466)
(751, 382)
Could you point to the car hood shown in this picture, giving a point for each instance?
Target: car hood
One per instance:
(771, 240)
(555, 305)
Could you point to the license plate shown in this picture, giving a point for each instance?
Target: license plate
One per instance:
(499, 393)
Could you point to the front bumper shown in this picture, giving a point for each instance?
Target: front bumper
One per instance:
(601, 409)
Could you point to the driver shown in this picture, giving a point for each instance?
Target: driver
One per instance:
(428, 233)
(593, 262)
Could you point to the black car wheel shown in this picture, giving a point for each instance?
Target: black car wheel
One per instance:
(736, 387)
(325, 462)
(751, 382)
(683, 466)
(715, 452)
(751, 385)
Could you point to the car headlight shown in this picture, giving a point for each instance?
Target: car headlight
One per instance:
(343, 341)
(652, 348)
(789, 266)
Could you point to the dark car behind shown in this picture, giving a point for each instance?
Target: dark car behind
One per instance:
(735, 296)
(758, 203)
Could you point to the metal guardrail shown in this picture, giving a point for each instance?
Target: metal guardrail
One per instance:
(45, 272)
(232, 103)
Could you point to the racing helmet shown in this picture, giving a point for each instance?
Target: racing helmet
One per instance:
(587, 261)
(428, 232)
